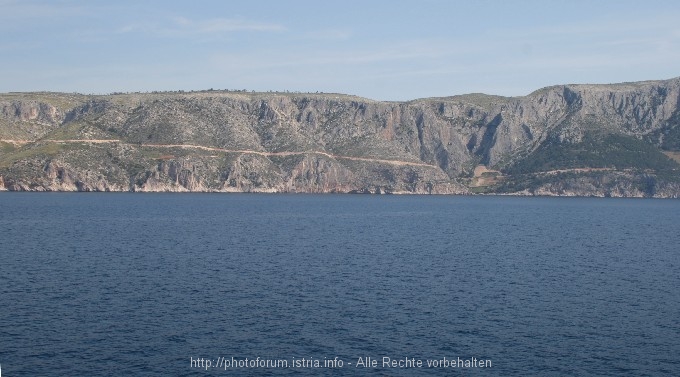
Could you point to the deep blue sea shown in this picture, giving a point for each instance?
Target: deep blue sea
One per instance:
(194, 284)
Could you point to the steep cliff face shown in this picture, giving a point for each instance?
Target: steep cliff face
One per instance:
(568, 113)
(274, 142)
(28, 120)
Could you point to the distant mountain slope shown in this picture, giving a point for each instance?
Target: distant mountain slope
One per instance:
(602, 140)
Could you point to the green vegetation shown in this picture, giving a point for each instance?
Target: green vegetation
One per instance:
(7, 147)
(81, 130)
(671, 140)
(479, 100)
(531, 182)
(481, 189)
(610, 151)
(38, 150)
(586, 182)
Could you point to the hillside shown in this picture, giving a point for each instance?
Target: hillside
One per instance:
(586, 140)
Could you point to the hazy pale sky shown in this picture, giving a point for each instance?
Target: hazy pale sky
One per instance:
(385, 50)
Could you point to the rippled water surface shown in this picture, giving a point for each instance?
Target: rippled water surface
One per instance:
(138, 284)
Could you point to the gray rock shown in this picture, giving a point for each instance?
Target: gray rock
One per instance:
(275, 142)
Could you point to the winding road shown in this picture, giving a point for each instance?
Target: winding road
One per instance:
(223, 150)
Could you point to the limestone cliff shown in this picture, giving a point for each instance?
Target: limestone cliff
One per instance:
(550, 142)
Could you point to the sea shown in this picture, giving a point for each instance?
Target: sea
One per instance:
(166, 284)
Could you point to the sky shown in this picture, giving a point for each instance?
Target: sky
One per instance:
(385, 50)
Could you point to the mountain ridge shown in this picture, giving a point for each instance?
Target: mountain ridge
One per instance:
(321, 142)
